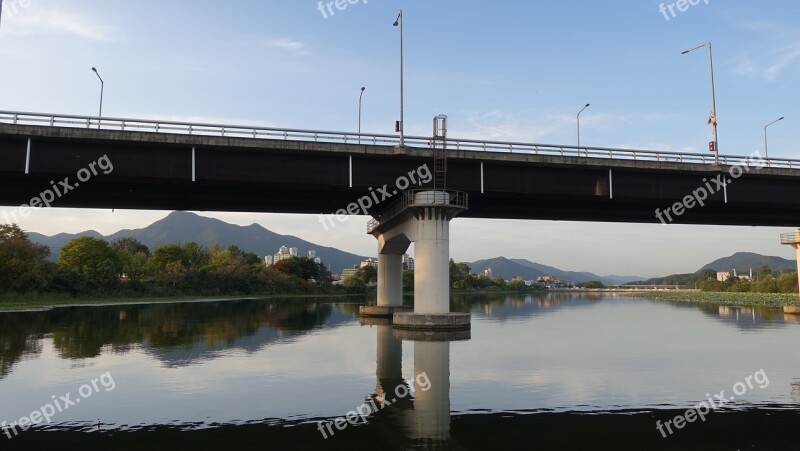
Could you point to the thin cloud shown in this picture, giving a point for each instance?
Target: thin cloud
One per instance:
(289, 45)
(34, 21)
(770, 64)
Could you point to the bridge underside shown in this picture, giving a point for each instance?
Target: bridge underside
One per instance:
(200, 173)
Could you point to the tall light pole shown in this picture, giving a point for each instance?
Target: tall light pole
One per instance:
(579, 123)
(713, 98)
(359, 113)
(766, 150)
(102, 88)
(399, 22)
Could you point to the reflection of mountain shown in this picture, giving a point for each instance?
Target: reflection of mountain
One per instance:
(176, 334)
(501, 307)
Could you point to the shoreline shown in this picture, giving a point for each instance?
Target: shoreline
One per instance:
(20, 306)
(748, 299)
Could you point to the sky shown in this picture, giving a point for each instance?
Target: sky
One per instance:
(504, 70)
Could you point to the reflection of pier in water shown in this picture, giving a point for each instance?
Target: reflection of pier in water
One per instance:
(424, 422)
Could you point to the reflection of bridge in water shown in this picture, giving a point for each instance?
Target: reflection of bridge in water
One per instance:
(423, 422)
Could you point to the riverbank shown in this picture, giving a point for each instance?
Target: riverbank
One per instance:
(771, 300)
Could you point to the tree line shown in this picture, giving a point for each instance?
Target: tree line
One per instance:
(88, 266)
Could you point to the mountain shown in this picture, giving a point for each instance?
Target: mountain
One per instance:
(183, 227)
(573, 276)
(528, 270)
(743, 261)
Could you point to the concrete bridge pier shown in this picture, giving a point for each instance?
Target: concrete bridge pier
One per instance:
(431, 222)
(391, 247)
(422, 217)
(793, 239)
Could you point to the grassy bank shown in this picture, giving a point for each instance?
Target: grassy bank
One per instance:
(739, 299)
(44, 302)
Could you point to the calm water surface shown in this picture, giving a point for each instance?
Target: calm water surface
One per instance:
(537, 372)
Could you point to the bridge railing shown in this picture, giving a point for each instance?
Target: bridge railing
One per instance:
(255, 132)
(419, 198)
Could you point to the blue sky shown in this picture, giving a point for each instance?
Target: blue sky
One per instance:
(506, 70)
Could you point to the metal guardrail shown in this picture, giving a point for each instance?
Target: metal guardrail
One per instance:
(790, 238)
(246, 131)
(412, 198)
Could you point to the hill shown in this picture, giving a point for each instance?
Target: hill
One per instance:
(509, 268)
(743, 261)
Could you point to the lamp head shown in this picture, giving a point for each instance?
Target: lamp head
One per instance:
(781, 118)
(363, 88)
(587, 105)
(94, 69)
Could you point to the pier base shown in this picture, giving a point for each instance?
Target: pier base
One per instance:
(432, 321)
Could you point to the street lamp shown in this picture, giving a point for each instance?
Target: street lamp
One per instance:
(102, 87)
(713, 98)
(579, 123)
(359, 113)
(766, 150)
(401, 125)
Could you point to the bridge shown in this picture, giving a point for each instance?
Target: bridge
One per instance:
(170, 165)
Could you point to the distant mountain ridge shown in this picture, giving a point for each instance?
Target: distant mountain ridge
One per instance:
(742, 262)
(528, 270)
(183, 227)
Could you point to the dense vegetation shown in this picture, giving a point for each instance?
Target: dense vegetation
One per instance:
(92, 267)
(739, 299)
(88, 267)
(766, 281)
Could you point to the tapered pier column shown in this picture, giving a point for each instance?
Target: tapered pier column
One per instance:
(390, 280)
(390, 277)
(432, 262)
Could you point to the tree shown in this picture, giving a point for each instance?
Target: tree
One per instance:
(354, 284)
(787, 282)
(23, 264)
(169, 253)
(369, 274)
(132, 256)
(303, 268)
(85, 253)
(130, 245)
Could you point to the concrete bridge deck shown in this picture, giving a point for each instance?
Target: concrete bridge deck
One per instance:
(238, 168)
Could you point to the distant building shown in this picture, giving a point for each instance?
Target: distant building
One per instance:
(350, 272)
(293, 251)
(488, 273)
(312, 254)
(269, 260)
(408, 262)
(283, 254)
(722, 276)
(369, 262)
